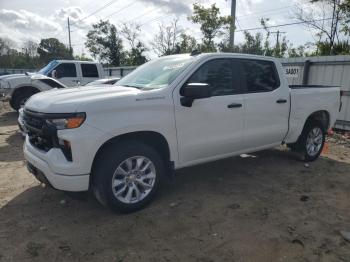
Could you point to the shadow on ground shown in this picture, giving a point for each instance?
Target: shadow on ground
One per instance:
(12, 150)
(8, 118)
(263, 207)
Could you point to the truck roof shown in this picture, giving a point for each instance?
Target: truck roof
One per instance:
(238, 55)
(223, 55)
(75, 61)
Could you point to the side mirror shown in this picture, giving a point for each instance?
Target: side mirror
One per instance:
(54, 74)
(193, 91)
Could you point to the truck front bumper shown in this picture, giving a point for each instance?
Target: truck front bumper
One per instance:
(43, 172)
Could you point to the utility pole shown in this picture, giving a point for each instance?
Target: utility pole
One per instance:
(277, 47)
(70, 43)
(278, 33)
(232, 27)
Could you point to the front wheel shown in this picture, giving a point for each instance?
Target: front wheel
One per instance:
(311, 141)
(21, 98)
(127, 176)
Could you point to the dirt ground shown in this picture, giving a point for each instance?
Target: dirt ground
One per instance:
(266, 206)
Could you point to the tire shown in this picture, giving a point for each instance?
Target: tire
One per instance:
(311, 141)
(118, 176)
(20, 98)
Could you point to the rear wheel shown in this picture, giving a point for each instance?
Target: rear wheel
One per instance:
(127, 175)
(311, 141)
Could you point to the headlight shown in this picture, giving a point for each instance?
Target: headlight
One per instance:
(67, 121)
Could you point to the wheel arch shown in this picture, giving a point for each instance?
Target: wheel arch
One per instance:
(150, 138)
(24, 88)
(321, 116)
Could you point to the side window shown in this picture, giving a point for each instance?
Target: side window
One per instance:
(89, 70)
(218, 74)
(260, 76)
(66, 70)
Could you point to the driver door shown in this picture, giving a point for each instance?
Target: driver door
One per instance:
(212, 127)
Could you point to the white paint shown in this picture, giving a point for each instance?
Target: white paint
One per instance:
(205, 132)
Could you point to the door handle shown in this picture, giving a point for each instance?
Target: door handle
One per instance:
(234, 105)
(281, 101)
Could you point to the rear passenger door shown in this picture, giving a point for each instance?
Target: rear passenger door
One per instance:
(89, 73)
(66, 73)
(266, 104)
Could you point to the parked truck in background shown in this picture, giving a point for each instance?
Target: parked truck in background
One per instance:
(17, 88)
(170, 113)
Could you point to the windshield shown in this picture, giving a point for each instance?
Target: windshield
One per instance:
(158, 73)
(47, 69)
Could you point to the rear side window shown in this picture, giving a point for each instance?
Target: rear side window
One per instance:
(260, 76)
(89, 70)
(66, 70)
(218, 74)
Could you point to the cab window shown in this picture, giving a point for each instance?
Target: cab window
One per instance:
(66, 70)
(259, 75)
(219, 75)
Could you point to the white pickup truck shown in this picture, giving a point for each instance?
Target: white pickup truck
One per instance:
(172, 112)
(18, 88)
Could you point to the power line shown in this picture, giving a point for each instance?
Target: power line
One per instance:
(157, 18)
(281, 25)
(98, 10)
(264, 11)
(143, 14)
(121, 9)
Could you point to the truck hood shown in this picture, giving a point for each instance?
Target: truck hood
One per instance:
(5, 77)
(68, 100)
(19, 78)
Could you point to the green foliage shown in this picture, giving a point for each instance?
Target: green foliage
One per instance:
(31, 55)
(50, 49)
(105, 44)
(324, 48)
(165, 41)
(211, 24)
(135, 56)
(296, 52)
(186, 44)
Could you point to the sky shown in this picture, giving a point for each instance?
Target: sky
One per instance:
(22, 20)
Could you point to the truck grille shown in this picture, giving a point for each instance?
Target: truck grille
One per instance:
(40, 135)
(33, 121)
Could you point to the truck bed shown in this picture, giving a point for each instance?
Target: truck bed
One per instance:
(307, 99)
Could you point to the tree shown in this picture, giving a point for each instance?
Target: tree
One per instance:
(105, 43)
(30, 48)
(186, 44)
(165, 40)
(296, 52)
(326, 17)
(50, 49)
(253, 44)
(4, 46)
(280, 48)
(135, 56)
(211, 24)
